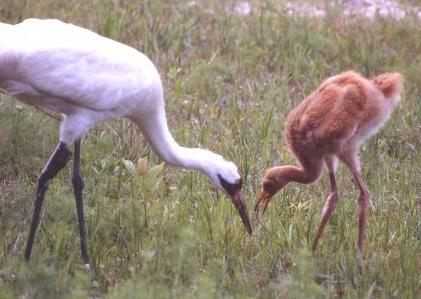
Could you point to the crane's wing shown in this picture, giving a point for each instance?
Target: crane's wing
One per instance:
(74, 65)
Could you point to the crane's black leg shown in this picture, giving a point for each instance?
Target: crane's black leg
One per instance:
(57, 161)
(78, 188)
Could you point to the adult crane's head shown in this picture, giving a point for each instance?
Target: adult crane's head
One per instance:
(225, 175)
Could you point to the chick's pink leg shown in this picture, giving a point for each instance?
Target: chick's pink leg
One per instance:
(331, 201)
(352, 161)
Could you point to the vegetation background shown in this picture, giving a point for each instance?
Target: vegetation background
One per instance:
(231, 73)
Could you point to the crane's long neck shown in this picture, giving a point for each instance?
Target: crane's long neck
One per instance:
(279, 176)
(155, 129)
(282, 175)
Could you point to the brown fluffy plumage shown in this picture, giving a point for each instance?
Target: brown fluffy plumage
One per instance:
(332, 123)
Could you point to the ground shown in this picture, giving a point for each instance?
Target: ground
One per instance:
(231, 72)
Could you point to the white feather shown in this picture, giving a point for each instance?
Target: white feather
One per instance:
(89, 78)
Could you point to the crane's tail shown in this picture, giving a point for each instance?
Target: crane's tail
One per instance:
(390, 84)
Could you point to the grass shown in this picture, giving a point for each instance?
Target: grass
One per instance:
(230, 82)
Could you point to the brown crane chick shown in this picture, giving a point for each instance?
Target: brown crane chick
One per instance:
(332, 123)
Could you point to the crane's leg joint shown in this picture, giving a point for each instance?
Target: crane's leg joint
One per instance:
(57, 161)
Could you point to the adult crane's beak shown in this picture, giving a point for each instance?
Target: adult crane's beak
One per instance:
(234, 191)
(238, 201)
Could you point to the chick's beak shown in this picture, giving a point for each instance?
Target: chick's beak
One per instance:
(238, 201)
(269, 189)
(262, 202)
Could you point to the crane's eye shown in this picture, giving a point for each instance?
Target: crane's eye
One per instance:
(229, 187)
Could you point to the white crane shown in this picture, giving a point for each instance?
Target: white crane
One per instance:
(89, 79)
